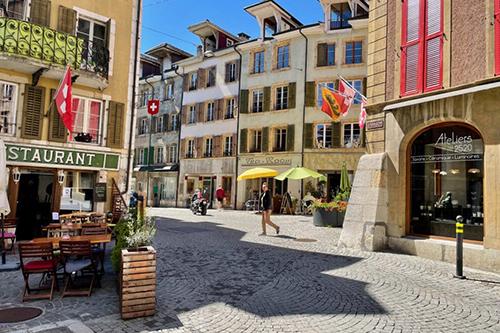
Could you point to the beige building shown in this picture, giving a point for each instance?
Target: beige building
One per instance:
(432, 132)
(49, 170)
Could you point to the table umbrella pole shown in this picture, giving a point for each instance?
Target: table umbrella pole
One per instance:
(3, 241)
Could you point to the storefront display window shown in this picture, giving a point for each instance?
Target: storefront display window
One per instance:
(78, 191)
(446, 180)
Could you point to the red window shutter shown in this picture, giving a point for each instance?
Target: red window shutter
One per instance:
(411, 47)
(497, 37)
(433, 66)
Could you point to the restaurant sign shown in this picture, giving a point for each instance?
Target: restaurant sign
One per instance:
(253, 161)
(63, 157)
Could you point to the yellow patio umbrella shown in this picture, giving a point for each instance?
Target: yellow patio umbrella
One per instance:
(300, 173)
(256, 173)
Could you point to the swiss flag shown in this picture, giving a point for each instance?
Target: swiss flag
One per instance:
(153, 106)
(62, 100)
(349, 95)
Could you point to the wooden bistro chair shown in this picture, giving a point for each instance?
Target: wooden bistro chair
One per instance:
(77, 258)
(97, 249)
(9, 234)
(37, 258)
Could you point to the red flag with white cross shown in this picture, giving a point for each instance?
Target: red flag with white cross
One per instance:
(153, 106)
(63, 100)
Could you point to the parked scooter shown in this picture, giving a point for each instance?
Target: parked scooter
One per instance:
(198, 203)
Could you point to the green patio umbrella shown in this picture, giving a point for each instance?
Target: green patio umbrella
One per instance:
(298, 173)
(345, 184)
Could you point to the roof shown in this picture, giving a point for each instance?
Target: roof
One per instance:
(198, 27)
(272, 3)
(159, 50)
(150, 59)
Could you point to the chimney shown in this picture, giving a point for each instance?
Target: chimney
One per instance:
(243, 37)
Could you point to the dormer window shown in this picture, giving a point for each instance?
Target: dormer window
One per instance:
(210, 44)
(270, 27)
(339, 16)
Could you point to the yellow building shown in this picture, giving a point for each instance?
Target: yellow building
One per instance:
(50, 170)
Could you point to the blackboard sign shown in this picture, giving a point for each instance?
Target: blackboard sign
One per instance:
(100, 192)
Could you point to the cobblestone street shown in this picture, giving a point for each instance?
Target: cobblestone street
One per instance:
(215, 274)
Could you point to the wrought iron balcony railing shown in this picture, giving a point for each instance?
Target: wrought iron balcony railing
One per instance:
(48, 45)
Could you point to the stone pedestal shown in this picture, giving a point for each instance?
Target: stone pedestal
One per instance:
(365, 221)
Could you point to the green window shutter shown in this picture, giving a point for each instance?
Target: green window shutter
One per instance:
(244, 101)
(40, 12)
(336, 135)
(116, 115)
(244, 140)
(321, 56)
(267, 99)
(34, 98)
(309, 136)
(292, 88)
(145, 157)
(151, 151)
(310, 93)
(67, 20)
(265, 139)
(57, 130)
(290, 138)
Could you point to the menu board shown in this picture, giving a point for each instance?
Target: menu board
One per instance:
(100, 192)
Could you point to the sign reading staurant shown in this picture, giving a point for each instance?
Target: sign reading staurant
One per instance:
(64, 157)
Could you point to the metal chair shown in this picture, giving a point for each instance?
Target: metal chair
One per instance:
(77, 257)
(37, 258)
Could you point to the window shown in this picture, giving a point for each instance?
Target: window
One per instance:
(231, 72)
(283, 57)
(353, 52)
(172, 154)
(230, 105)
(192, 114)
(193, 81)
(326, 55)
(279, 139)
(281, 98)
(87, 118)
(324, 136)
(15, 8)
(256, 144)
(140, 156)
(229, 42)
(352, 136)
(339, 16)
(228, 146)
(144, 97)
(211, 75)
(190, 149)
(159, 124)
(174, 122)
(159, 155)
(94, 33)
(210, 111)
(330, 54)
(143, 126)
(258, 62)
(169, 91)
(422, 46)
(208, 147)
(322, 85)
(8, 105)
(257, 101)
(358, 85)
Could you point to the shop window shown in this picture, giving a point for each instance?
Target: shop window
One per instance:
(87, 119)
(323, 136)
(446, 180)
(352, 136)
(8, 105)
(78, 191)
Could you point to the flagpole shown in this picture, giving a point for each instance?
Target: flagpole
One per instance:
(350, 86)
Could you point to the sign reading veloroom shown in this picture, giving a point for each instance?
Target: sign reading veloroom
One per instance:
(64, 157)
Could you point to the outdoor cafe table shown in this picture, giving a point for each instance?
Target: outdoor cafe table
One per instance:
(94, 239)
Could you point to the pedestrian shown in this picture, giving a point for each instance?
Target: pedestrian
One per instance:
(219, 196)
(266, 204)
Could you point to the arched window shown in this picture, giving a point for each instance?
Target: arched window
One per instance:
(446, 180)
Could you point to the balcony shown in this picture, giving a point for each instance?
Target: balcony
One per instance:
(40, 47)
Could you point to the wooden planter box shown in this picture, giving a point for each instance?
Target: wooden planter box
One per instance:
(138, 283)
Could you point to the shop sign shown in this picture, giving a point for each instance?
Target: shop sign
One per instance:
(63, 157)
(253, 161)
(446, 158)
(373, 125)
(100, 192)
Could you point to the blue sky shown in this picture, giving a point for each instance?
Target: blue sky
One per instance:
(172, 17)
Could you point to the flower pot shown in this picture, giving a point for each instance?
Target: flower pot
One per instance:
(324, 218)
(340, 219)
(138, 282)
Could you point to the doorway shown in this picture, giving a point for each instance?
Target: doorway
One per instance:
(34, 203)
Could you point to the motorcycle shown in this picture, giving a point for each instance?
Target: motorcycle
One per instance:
(199, 205)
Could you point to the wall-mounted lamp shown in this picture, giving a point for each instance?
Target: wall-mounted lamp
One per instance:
(16, 175)
(60, 177)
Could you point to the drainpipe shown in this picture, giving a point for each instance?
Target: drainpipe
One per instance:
(304, 105)
(132, 108)
(237, 129)
(183, 77)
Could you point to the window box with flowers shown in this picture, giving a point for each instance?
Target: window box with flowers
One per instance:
(329, 214)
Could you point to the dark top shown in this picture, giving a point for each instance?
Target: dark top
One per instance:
(266, 201)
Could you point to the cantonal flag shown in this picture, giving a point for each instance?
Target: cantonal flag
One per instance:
(348, 94)
(332, 103)
(362, 114)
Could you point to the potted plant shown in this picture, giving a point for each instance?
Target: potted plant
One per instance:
(135, 259)
(330, 214)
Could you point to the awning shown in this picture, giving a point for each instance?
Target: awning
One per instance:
(156, 168)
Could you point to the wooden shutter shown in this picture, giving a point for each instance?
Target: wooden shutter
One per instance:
(244, 101)
(34, 99)
(433, 76)
(237, 69)
(219, 109)
(184, 114)
(322, 50)
(497, 37)
(199, 147)
(310, 94)
(234, 147)
(290, 138)
(202, 78)
(200, 108)
(244, 141)
(336, 135)
(292, 87)
(363, 88)
(309, 136)
(165, 122)
(57, 130)
(40, 12)
(217, 149)
(227, 73)
(267, 99)
(116, 117)
(265, 139)
(411, 68)
(185, 82)
(67, 20)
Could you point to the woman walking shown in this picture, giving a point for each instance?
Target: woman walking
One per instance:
(266, 204)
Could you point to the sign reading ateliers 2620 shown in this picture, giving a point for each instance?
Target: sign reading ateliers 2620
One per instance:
(64, 157)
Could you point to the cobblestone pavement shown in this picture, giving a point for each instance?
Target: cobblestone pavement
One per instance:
(215, 274)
